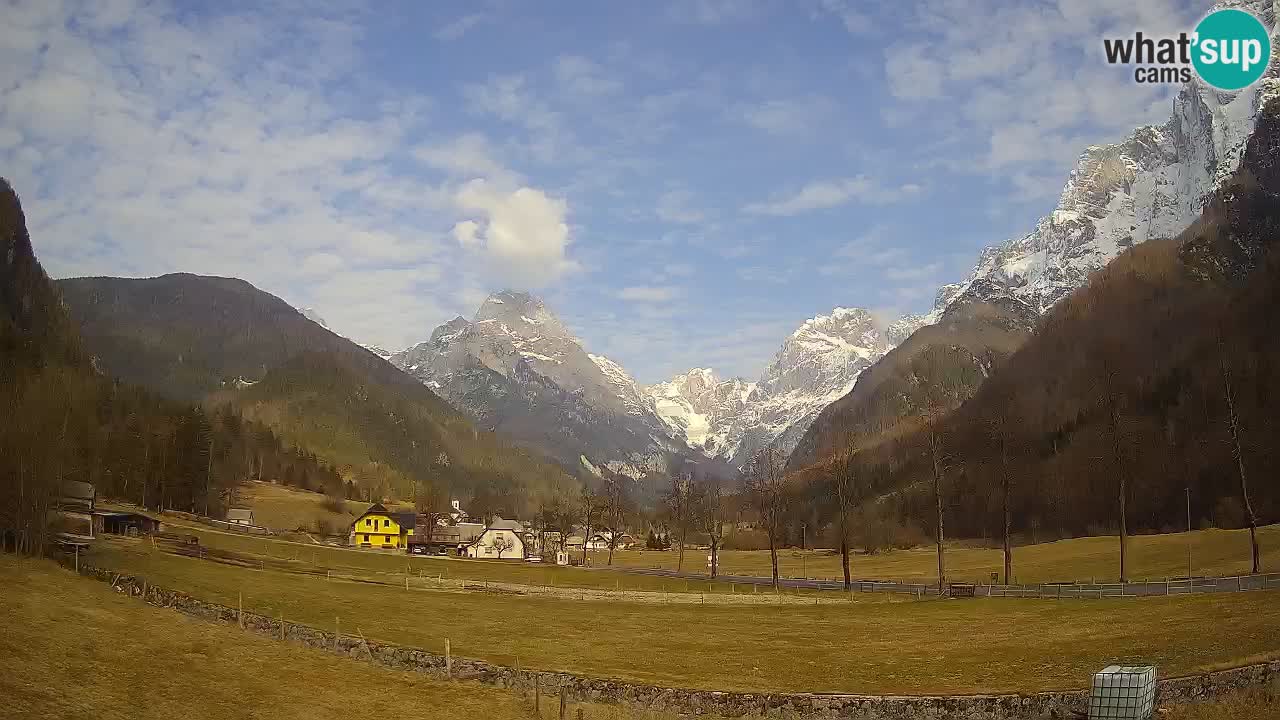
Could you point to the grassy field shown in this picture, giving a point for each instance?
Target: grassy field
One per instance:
(71, 648)
(1214, 552)
(958, 646)
(357, 561)
(284, 508)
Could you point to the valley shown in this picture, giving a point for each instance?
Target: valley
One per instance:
(720, 425)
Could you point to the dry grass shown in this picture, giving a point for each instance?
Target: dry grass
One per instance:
(284, 508)
(959, 646)
(71, 648)
(1256, 704)
(359, 561)
(1214, 552)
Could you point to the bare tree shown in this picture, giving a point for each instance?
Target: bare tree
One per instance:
(615, 510)
(1115, 432)
(1237, 452)
(1001, 428)
(678, 507)
(501, 544)
(938, 464)
(844, 479)
(766, 484)
(589, 509)
(709, 500)
(429, 501)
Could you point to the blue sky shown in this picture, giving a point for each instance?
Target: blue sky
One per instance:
(683, 182)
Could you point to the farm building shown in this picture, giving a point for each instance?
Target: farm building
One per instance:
(78, 496)
(240, 516)
(442, 540)
(119, 522)
(379, 527)
(500, 539)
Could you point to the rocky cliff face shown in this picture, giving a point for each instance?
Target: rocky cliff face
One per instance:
(515, 368)
(1153, 184)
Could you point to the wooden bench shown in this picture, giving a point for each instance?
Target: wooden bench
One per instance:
(961, 590)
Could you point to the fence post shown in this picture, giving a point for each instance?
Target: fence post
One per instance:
(448, 660)
(563, 704)
(337, 631)
(537, 694)
(240, 609)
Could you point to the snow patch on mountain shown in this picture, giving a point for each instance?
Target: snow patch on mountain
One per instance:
(1153, 184)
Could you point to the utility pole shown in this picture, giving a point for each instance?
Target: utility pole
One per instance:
(804, 560)
(1188, 533)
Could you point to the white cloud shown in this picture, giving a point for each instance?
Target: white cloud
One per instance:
(855, 21)
(912, 74)
(469, 156)
(713, 12)
(152, 142)
(649, 293)
(459, 27)
(675, 206)
(584, 79)
(789, 117)
(824, 194)
(523, 232)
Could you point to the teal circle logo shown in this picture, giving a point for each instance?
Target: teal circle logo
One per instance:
(1232, 49)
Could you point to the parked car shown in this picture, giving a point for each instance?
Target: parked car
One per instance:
(534, 558)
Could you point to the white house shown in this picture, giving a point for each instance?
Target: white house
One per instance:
(501, 539)
(600, 541)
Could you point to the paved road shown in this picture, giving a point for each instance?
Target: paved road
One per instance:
(1174, 586)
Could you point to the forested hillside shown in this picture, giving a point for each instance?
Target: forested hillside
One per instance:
(932, 372)
(388, 438)
(227, 344)
(64, 420)
(1159, 376)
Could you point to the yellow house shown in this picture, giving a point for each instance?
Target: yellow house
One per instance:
(382, 528)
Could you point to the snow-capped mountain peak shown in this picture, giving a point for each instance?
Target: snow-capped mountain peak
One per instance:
(817, 363)
(516, 366)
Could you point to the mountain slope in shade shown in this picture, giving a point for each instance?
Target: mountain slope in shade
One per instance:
(1140, 376)
(221, 340)
(515, 368)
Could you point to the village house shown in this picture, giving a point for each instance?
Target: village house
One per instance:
(382, 528)
(500, 539)
(601, 540)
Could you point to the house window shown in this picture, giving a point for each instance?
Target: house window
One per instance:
(386, 523)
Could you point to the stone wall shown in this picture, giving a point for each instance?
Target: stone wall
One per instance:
(1032, 706)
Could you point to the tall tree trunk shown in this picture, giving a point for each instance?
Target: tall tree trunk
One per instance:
(773, 556)
(1121, 471)
(715, 558)
(935, 452)
(680, 550)
(208, 475)
(1238, 452)
(1008, 515)
(844, 542)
